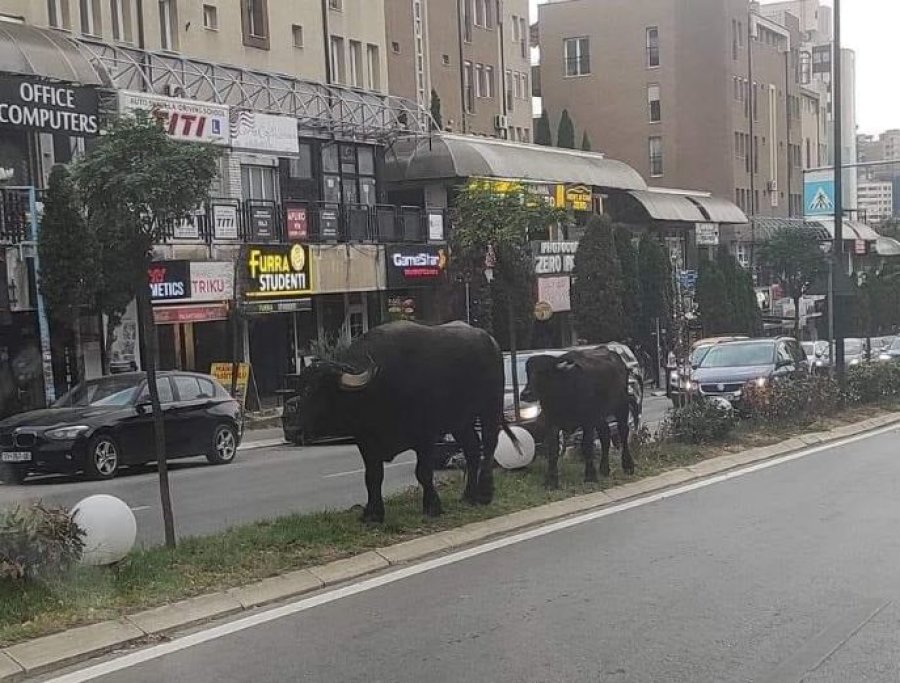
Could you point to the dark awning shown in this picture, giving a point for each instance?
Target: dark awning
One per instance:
(719, 210)
(46, 54)
(668, 206)
(445, 156)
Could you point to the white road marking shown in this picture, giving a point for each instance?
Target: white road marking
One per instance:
(362, 470)
(179, 644)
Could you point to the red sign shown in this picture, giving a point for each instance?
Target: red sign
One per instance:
(171, 315)
(297, 222)
(860, 246)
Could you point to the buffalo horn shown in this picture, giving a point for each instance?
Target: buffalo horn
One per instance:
(565, 365)
(350, 381)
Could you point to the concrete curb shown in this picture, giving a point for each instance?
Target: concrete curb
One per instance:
(78, 644)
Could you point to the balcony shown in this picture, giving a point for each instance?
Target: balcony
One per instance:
(233, 221)
(15, 215)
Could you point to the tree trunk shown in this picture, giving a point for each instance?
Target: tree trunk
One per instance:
(104, 346)
(148, 333)
(79, 348)
(797, 318)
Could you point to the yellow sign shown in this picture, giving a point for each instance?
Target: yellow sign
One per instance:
(222, 372)
(277, 271)
(579, 198)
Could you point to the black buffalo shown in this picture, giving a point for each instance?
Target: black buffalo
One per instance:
(581, 389)
(401, 387)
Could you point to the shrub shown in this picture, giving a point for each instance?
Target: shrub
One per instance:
(874, 382)
(700, 422)
(800, 401)
(38, 542)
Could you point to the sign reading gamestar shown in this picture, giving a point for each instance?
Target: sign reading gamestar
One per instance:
(48, 107)
(277, 271)
(412, 266)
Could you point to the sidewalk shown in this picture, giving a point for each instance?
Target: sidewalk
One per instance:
(262, 438)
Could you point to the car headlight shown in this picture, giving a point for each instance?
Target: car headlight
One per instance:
(689, 385)
(530, 412)
(759, 382)
(66, 433)
(884, 356)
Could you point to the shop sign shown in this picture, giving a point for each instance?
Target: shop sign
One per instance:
(436, 227)
(329, 222)
(182, 119)
(296, 222)
(267, 307)
(171, 315)
(415, 265)
(860, 247)
(169, 280)
(188, 228)
(222, 372)
(543, 311)
(555, 291)
(277, 271)
(575, 197)
(554, 258)
(212, 281)
(259, 132)
(262, 222)
(225, 222)
(707, 234)
(49, 107)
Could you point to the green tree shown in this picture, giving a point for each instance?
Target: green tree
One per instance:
(542, 132)
(631, 282)
(793, 257)
(716, 310)
(68, 250)
(437, 117)
(565, 134)
(656, 294)
(585, 142)
(746, 318)
(139, 182)
(597, 284)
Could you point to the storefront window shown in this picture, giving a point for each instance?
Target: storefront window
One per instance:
(300, 167)
(367, 192)
(258, 182)
(330, 158)
(366, 161)
(332, 189)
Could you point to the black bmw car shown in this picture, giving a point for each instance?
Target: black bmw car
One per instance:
(104, 424)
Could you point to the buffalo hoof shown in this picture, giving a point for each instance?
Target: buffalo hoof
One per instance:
(484, 492)
(628, 469)
(370, 516)
(470, 497)
(433, 508)
(591, 477)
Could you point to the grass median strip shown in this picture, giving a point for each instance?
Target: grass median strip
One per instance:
(154, 577)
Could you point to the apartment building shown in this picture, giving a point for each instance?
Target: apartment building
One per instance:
(472, 54)
(876, 201)
(702, 95)
(813, 127)
(882, 147)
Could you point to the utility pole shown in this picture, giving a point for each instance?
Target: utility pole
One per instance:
(837, 108)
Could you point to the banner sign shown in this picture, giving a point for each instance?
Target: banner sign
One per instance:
(225, 221)
(296, 222)
(189, 120)
(171, 315)
(223, 373)
(415, 265)
(277, 271)
(707, 234)
(49, 107)
(169, 281)
(262, 222)
(554, 258)
(259, 132)
(212, 281)
(555, 291)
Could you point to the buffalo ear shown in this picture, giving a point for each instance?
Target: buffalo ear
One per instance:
(565, 365)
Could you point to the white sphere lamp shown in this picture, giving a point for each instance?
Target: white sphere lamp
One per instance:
(511, 458)
(110, 529)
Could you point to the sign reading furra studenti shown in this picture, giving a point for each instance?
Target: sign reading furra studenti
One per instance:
(277, 271)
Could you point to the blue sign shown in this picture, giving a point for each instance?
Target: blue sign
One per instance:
(818, 198)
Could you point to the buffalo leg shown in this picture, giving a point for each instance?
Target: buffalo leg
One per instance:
(587, 451)
(623, 419)
(374, 511)
(552, 479)
(431, 502)
(484, 487)
(468, 440)
(605, 437)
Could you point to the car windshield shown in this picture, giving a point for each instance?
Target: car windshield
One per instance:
(698, 354)
(809, 348)
(739, 355)
(107, 391)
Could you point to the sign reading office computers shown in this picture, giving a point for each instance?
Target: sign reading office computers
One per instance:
(34, 104)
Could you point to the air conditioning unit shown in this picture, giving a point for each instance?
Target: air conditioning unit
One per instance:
(772, 186)
(501, 122)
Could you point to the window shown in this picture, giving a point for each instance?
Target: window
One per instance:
(297, 33)
(517, 87)
(58, 13)
(374, 67)
(356, 64)
(255, 23)
(483, 16)
(655, 104)
(469, 86)
(468, 15)
(258, 182)
(167, 25)
(480, 85)
(525, 93)
(489, 80)
(163, 388)
(577, 56)
(120, 14)
(338, 66)
(652, 47)
(755, 95)
(515, 29)
(336, 5)
(527, 134)
(211, 17)
(656, 156)
(523, 30)
(90, 17)
(395, 47)
(445, 60)
(734, 39)
(188, 388)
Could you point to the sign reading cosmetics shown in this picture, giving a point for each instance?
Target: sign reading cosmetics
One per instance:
(48, 107)
(169, 281)
(187, 282)
(183, 119)
(415, 265)
(276, 271)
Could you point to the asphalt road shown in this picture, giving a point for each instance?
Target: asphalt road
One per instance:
(261, 484)
(781, 575)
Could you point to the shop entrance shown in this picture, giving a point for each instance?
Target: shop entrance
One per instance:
(193, 346)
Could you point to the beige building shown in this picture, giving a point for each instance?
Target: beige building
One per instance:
(276, 36)
(876, 201)
(812, 126)
(476, 60)
(702, 94)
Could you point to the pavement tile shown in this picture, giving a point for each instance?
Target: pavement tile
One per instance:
(344, 570)
(70, 646)
(302, 581)
(705, 468)
(9, 670)
(275, 588)
(184, 613)
(414, 549)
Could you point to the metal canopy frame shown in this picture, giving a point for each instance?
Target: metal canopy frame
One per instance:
(329, 110)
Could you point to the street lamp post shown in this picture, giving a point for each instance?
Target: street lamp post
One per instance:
(837, 108)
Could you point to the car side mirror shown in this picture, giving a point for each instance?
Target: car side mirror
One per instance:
(144, 406)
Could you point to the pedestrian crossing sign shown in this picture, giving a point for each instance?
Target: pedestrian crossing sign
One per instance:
(819, 198)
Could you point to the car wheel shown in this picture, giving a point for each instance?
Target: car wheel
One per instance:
(224, 445)
(103, 457)
(9, 474)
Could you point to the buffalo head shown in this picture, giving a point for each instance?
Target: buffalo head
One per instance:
(326, 391)
(541, 371)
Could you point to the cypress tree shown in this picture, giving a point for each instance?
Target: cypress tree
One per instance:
(597, 296)
(565, 134)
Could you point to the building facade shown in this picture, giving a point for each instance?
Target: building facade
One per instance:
(473, 55)
(876, 201)
(703, 94)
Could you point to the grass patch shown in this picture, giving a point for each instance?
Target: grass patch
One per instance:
(152, 577)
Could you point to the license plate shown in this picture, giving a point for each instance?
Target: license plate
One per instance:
(15, 456)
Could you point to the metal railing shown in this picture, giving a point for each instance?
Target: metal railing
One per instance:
(15, 215)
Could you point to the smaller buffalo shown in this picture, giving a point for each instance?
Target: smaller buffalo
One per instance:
(581, 389)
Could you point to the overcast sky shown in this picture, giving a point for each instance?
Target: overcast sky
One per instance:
(870, 28)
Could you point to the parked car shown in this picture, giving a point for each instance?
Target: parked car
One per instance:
(728, 368)
(854, 352)
(892, 352)
(104, 424)
(819, 355)
(679, 377)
